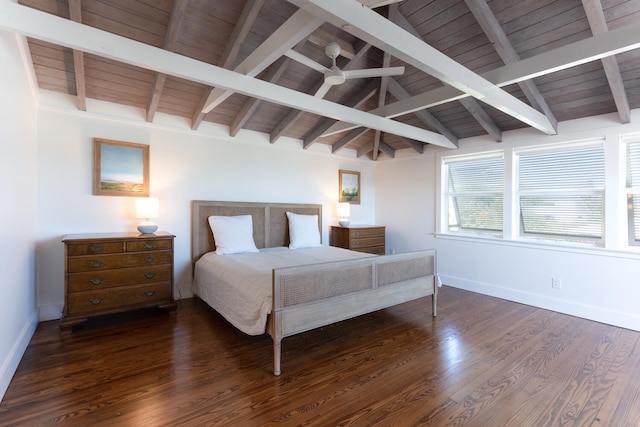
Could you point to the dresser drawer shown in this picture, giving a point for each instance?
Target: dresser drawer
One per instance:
(377, 250)
(148, 245)
(94, 248)
(89, 281)
(107, 262)
(93, 301)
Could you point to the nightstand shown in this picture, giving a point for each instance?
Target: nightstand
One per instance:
(361, 238)
(115, 272)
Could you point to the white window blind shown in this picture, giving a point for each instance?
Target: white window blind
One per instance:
(633, 191)
(561, 193)
(474, 193)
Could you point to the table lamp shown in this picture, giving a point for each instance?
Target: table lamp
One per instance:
(344, 211)
(147, 207)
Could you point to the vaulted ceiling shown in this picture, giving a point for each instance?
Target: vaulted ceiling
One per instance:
(471, 67)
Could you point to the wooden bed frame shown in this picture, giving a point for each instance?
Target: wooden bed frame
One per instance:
(311, 296)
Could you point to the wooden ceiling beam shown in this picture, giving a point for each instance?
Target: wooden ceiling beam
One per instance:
(616, 41)
(498, 38)
(298, 27)
(243, 26)
(170, 39)
(345, 140)
(424, 115)
(385, 148)
(312, 135)
(276, 70)
(53, 29)
(598, 24)
(379, 31)
(482, 117)
(75, 13)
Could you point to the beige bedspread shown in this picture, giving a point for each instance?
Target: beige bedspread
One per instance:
(239, 286)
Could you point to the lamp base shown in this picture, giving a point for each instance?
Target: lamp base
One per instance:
(147, 227)
(343, 222)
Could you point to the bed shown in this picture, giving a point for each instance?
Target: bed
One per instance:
(269, 291)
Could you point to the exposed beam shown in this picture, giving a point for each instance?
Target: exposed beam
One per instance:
(276, 71)
(475, 109)
(424, 115)
(53, 29)
(416, 145)
(364, 149)
(387, 149)
(379, 31)
(616, 41)
(296, 28)
(310, 137)
(350, 136)
(75, 13)
(170, 39)
(239, 33)
(492, 28)
(598, 25)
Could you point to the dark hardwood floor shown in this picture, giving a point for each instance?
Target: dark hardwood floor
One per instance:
(482, 362)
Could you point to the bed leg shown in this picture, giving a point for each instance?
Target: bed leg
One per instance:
(434, 304)
(277, 348)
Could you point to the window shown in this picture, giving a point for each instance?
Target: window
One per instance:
(561, 192)
(474, 193)
(633, 191)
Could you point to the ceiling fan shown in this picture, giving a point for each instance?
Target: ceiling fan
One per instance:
(334, 75)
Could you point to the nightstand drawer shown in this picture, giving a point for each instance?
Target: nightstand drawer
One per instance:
(107, 299)
(107, 262)
(360, 233)
(366, 242)
(89, 281)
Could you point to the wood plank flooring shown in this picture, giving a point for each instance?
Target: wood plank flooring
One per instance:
(482, 362)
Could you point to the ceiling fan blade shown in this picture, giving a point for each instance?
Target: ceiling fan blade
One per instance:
(322, 90)
(305, 61)
(374, 72)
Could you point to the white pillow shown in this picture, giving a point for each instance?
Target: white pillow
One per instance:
(233, 234)
(303, 231)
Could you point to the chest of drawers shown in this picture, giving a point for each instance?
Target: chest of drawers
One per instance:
(361, 238)
(110, 273)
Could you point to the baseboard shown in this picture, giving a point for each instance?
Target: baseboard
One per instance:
(17, 351)
(590, 312)
(49, 312)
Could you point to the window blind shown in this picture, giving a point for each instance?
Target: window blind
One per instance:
(561, 193)
(633, 191)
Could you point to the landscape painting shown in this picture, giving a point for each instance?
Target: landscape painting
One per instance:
(349, 187)
(120, 168)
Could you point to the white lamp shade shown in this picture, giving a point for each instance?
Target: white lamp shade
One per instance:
(344, 209)
(147, 207)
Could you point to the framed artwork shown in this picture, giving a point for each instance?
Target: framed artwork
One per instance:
(120, 168)
(349, 187)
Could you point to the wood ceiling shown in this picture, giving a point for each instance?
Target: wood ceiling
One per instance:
(472, 67)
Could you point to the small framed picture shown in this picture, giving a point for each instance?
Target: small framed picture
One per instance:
(349, 187)
(120, 168)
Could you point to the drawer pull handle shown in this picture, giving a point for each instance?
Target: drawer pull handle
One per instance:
(149, 293)
(358, 243)
(96, 264)
(357, 234)
(96, 249)
(149, 245)
(96, 301)
(149, 259)
(96, 281)
(149, 275)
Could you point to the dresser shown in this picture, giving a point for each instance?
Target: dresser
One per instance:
(361, 238)
(115, 272)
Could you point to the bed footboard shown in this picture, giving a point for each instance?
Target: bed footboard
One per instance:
(311, 296)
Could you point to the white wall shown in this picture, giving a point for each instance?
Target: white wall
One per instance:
(184, 165)
(596, 284)
(18, 316)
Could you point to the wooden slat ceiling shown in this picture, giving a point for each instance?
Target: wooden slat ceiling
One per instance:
(490, 42)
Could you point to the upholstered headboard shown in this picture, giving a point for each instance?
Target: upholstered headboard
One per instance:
(270, 226)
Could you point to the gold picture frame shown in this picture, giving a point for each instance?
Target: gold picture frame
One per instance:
(120, 168)
(349, 187)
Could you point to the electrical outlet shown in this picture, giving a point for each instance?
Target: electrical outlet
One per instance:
(556, 283)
